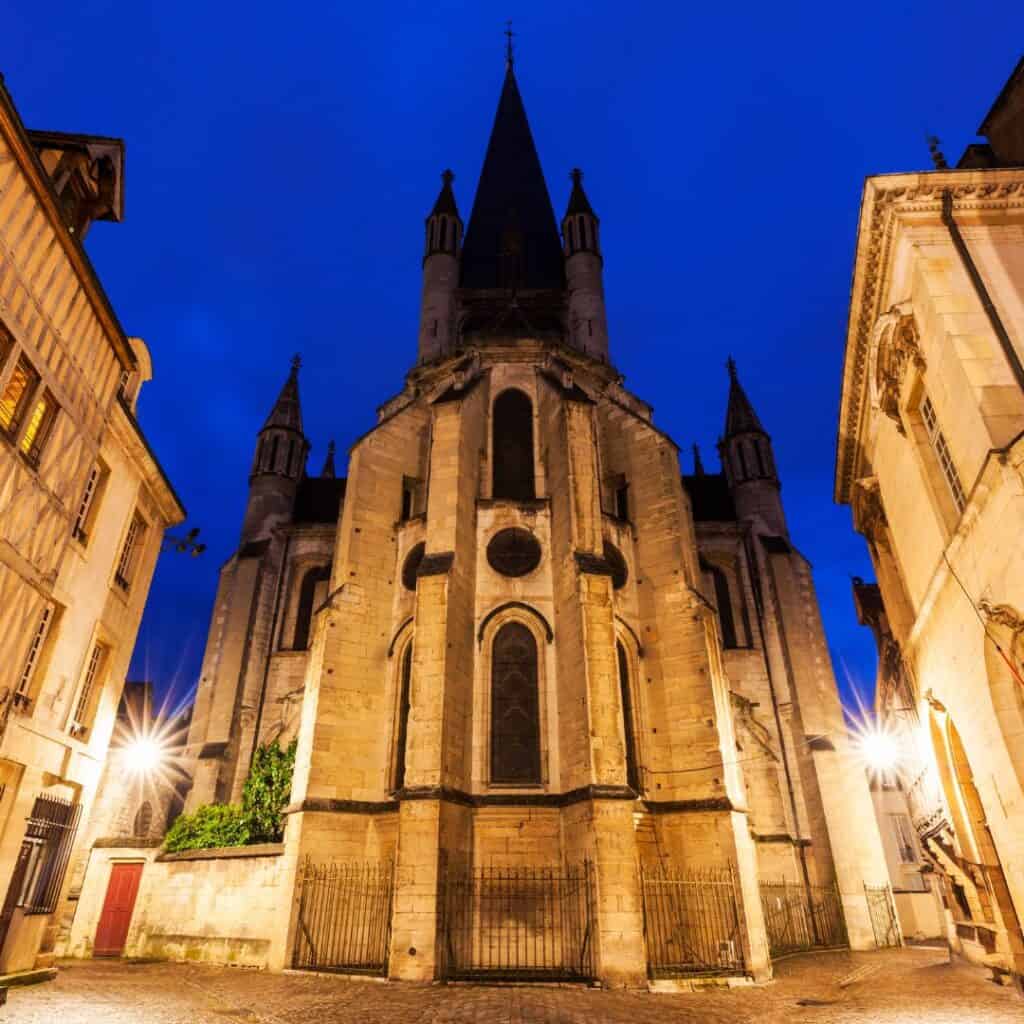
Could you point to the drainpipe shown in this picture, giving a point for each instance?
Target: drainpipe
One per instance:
(979, 288)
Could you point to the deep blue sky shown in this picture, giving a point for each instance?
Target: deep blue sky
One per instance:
(281, 159)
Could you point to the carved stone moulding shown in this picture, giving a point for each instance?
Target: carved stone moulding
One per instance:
(868, 511)
(896, 347)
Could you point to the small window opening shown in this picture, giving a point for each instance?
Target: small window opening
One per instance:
(512, 454)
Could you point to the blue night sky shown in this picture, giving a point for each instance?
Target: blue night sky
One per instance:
(280, 162)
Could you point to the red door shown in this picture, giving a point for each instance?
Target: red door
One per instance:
(117, 910)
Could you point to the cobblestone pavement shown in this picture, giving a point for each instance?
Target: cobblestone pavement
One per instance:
(889, 987)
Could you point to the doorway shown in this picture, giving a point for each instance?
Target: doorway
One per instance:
(116, 916)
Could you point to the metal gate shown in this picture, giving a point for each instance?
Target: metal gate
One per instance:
(691, 922)
(518, 923)
(883, 915)
(344, 922)
(800, 917)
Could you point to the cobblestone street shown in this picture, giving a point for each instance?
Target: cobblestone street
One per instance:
(891, 987)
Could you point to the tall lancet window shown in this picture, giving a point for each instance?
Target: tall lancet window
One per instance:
(513, 446)
(402, 726)
(515, 707)
(632, 760)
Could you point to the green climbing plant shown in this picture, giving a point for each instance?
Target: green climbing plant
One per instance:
(257, 819)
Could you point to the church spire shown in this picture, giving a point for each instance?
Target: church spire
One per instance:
(748, 461)
(588, 325)
(287, 412)
(440, 273)
(740, 417)
(328, 471)
(512, 238)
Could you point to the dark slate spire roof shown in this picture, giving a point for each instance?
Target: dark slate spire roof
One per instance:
(328, 471)
(740, 417)
(287, 413)
(698, 464)
(446, 197)
(512, 195)
(578, 201)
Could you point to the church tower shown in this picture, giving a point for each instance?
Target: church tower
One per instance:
(440, 274)
(748, 461)
(588, 328)
(278, 465)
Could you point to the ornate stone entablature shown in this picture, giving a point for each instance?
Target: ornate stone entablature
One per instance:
(895, 347)
(1002, 615)
(889, 201)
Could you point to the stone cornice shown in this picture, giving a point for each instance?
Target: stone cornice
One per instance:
(887, 199)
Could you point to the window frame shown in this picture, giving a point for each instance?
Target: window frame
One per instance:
(90, 688)
(529, 481)
(33, 380)
(533, 774)
(38, 655)
(89, 503)
(128, 560)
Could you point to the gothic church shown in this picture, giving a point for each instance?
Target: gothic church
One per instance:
(515, 636)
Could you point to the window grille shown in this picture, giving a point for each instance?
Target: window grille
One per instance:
(126, 565)
(515, 707)
(92, 671)
(82, 520)
(938, 442)
(50, 832)
(34, 651)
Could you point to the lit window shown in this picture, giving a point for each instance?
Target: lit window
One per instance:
(6, 344)
(938, 442)
(17, 395)
(90, 502)
(40, 423)
(35, 651)
(129, 553)
(83, 708)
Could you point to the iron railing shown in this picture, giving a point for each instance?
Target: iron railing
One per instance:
(344, 922)
(882, 909)
(801, 917)
(53, 824)
(691, 922)
(518, 923)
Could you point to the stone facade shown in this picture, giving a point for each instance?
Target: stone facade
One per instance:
(83, 508)
(929, 457)
(528, 640)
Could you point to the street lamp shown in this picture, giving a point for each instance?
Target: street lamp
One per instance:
(144, 755)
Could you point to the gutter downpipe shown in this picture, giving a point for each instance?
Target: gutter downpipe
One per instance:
(979, 288)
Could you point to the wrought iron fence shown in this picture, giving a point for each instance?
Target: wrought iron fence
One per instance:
(344, 922)
(691, 922)
(882, 909)
(518, 923)
(801, 917)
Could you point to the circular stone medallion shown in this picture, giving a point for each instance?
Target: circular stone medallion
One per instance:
(513, 552)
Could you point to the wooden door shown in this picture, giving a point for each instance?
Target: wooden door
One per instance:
(117, 909)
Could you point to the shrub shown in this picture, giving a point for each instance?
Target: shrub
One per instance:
(257, 820)
(267, 790)
(208, 826)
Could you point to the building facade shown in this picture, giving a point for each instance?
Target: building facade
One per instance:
(929, 458)
(83, 507)
(517, 638)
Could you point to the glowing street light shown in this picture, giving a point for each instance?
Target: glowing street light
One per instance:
(144, 755)
(880, 750)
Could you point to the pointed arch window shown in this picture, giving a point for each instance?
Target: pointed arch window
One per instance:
(314, 580)
(275, 441)
(723, 602)
(513, 446)
(404, 704)
(628, 725)
(744, 469)
(442, 244)
(583, 231)
(515, 707)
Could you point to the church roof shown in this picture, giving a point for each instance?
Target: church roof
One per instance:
(740, 417)
(287, 412)
(512, 192)
(318, 499)
(711, 498)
